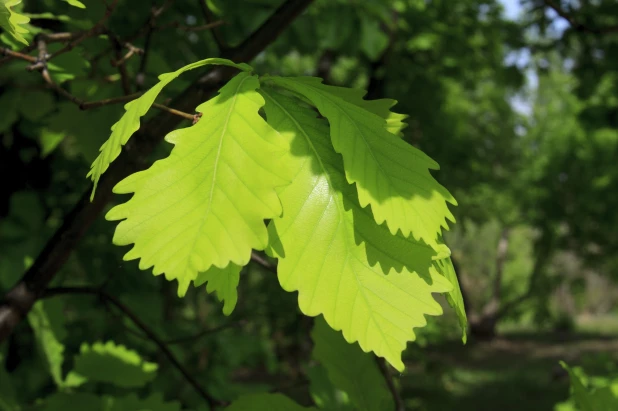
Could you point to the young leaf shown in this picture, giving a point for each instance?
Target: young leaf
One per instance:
(111, 363)
(350, 369)
(331, 251)
(206, 203)
(224, 281)
(11, 21)
(270, 402)
(390, 175)
(454, 297)
(129, 122)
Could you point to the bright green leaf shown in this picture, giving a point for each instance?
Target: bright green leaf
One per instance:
(224, 281)
(390, 175)
(46, 320)
(372, 285)
(130, 121)
(111, 363)
(11, 22)
(206, 203)
(270, 402)
(350, 369)
(454, 297)
(76, 3)
(49, 140)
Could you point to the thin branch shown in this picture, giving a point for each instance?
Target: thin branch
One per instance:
(209, 18)
(190, 117)
(388, 378)
(577, 25)
(86, 105)
(51, 292)
(204, 333)
(17, 54)
(97, 29)
(255, 257)
(18, 301)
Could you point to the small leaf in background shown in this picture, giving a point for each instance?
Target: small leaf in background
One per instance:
(49, 140)
(223, 281)
(76, 3)
(11, 21)
(596, 399)
(113, 364)
(47, 322)
(350, 369)
(266, 402)
(68, 65)
(35, 104)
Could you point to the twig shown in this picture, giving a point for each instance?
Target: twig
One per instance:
(204, 333)
(216, 34)
(18, 301)
(388, 378)
(17, 54)
(190, 117)
(132, 51)
(263, 262)
(98, 28)
(183, 27)
(107, 101)
(119, 63)
(139, 324)
(577, 25)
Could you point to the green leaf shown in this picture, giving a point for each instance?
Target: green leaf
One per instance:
(350, 369)
(390, 175)
(76, 3)
(454, 297)
(206, 203)
(11, 21)
(224, 281)
(46, 320)
(129, 122)
(49, 140)
(324, 394)
(270, 402)
(372, 285)
(111, 363)
(600, 399)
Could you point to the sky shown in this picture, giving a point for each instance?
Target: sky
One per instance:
(512, 10)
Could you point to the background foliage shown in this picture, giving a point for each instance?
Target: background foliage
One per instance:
(518, 108)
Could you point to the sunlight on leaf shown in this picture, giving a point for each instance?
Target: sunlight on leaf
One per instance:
(224, 282)
(129, 123)
(390, 175)
(11, 22)
(331, 251)
(206, 203)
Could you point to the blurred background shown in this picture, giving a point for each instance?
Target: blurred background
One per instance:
(516, 100)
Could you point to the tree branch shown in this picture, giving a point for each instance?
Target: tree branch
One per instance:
(575, 24)
(51, 292)
(19, 300)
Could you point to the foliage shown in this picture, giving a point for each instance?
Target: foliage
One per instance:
(604, 395)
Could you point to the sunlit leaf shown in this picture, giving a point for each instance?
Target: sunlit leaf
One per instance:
(373, 286)
(129, 123)
(389, 174)
(206, 203)
(224, 282)
(11, 21)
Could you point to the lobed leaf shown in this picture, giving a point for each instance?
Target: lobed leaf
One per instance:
(12, 22)
(111, 363)
(130, 121)
(331, 251)
(350, 369)
(206, 203)
(390, 175)
(223, 281)
(454, 297)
